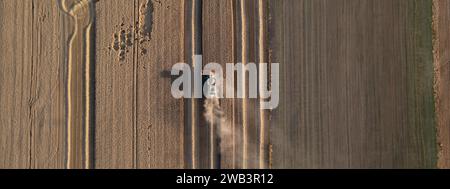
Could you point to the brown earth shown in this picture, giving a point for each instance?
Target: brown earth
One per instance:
(86, 84)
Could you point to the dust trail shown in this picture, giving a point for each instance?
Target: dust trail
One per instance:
(79, 95)
(221, 130)
(222, 135)
(214, 116)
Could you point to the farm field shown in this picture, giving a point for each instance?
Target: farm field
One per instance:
(86, 84)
